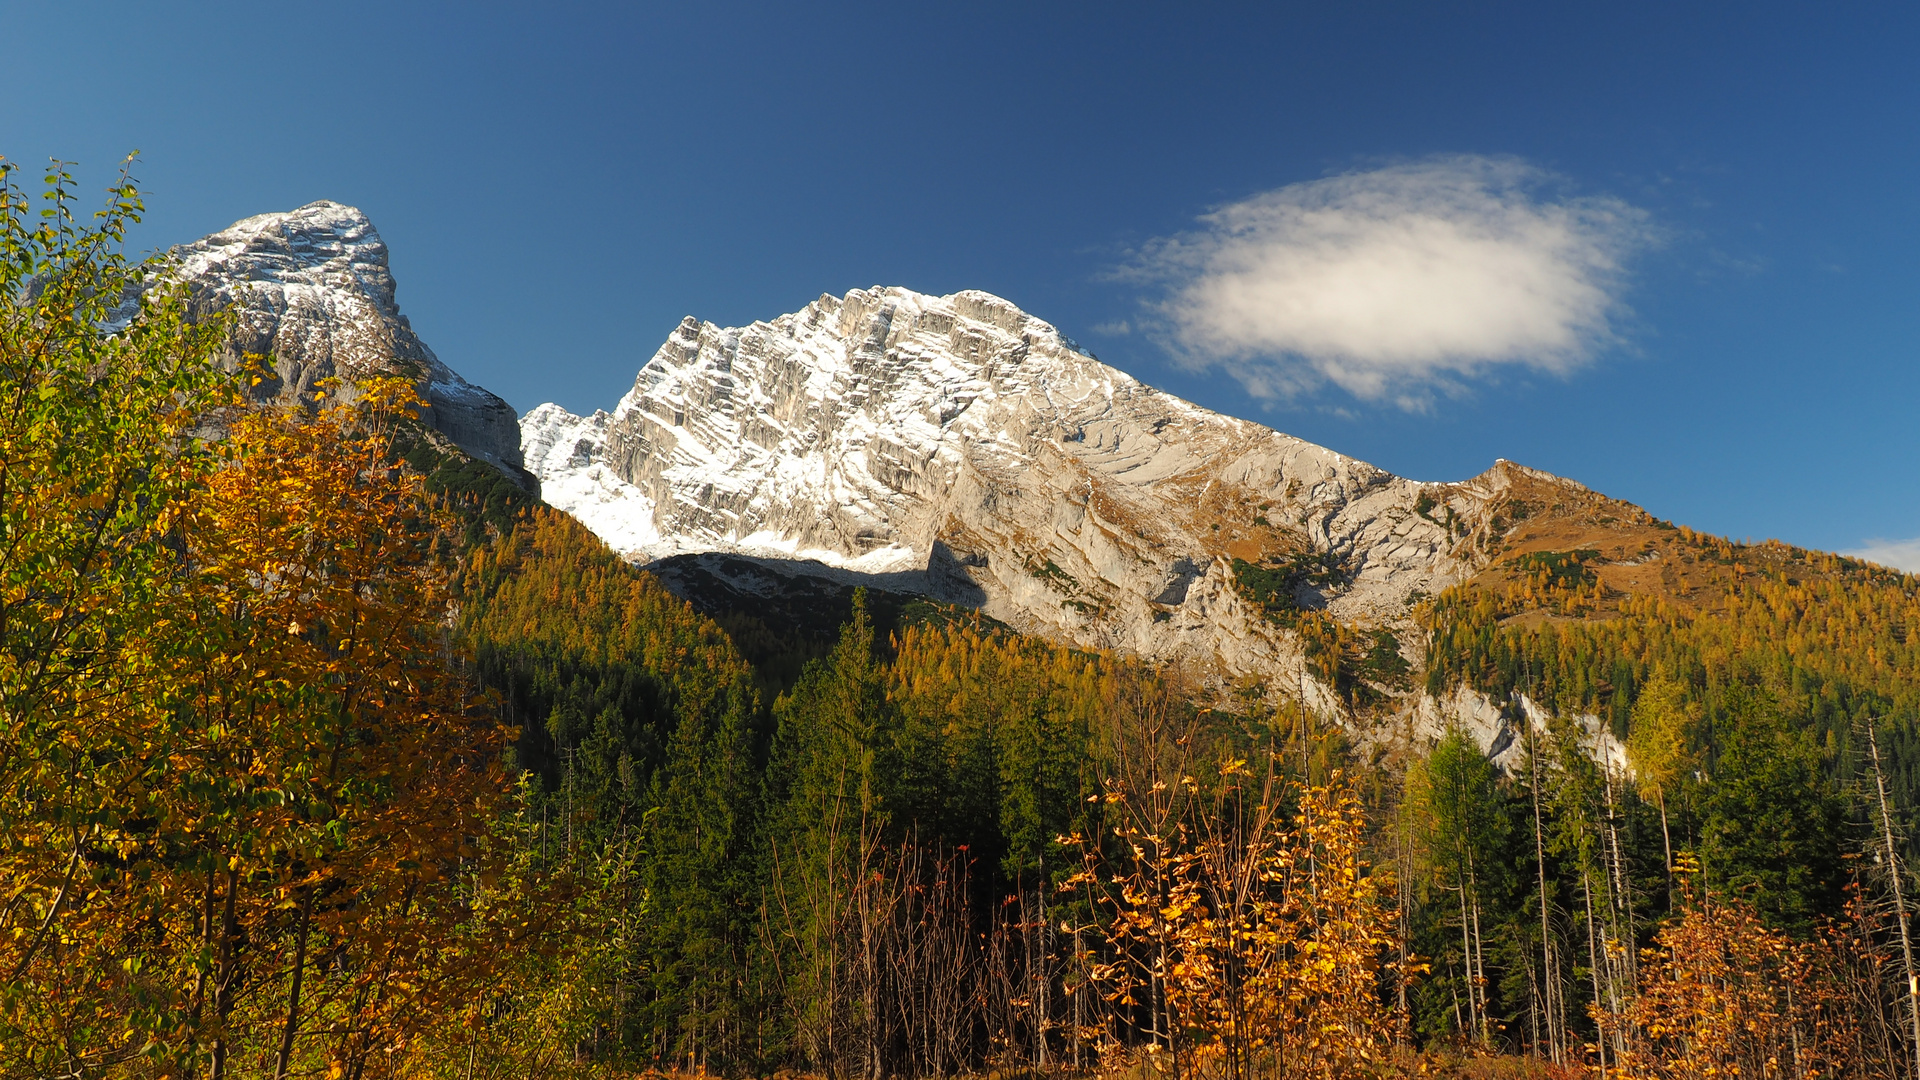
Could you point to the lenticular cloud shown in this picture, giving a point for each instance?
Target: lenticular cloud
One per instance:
(1396, 282)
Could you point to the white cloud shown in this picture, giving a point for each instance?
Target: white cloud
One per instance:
(1899, 554)
(1396, 282)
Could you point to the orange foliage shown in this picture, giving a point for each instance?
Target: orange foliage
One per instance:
(1269, 941)
(287, 796)
(1723, 995)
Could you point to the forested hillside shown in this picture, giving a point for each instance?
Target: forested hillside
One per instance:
(328, 752)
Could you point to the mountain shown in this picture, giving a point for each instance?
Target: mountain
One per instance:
(313, 295)
(959, 448)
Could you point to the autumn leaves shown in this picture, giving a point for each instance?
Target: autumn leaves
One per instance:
(257, 816)
(1247, 927)
(242, 790)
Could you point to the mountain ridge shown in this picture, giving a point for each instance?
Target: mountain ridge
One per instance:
(889, 432)
(960, 449)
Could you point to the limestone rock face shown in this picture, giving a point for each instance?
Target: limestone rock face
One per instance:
(958, 447)
(313, 295)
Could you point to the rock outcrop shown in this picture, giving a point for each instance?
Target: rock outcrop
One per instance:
(313, 295)
(958, 447)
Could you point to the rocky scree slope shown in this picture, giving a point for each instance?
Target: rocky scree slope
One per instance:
(956, 447)
(313, 295)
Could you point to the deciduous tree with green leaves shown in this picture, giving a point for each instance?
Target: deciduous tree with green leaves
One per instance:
(103, 378)
(247, 793)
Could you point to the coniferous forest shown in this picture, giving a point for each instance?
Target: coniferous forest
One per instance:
(329, 753)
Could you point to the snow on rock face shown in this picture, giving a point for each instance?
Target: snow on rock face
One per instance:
(313, 294)
(566, 447)
(972, 447)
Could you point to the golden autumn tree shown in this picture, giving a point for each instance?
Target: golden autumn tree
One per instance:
(1723, 994)
(101, 382)
(344, 772)
(1252, 914)
(246, 788)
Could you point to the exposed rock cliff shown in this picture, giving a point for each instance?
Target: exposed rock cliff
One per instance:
(314, 296)
(958, 447)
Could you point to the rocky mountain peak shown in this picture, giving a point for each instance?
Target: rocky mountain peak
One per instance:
(313, 294)
(958, 447)
(317, 244)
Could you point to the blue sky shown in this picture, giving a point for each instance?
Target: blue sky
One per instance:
(1672, 251)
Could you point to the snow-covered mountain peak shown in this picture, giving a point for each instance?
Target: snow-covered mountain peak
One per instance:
(887, 348)
(959, 447)
(312, 246)
(878, 358)
(312, 292)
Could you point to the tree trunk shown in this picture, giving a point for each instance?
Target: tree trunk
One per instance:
(1550, 1004)
(206, 937)
(1620, 898)
(1466, 960)
(1480, 973)
(292, 1025)
(1899, 895)
(224, 978)
(1593, 964)
(1666, 842)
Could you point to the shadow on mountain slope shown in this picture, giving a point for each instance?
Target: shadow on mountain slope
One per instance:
(782, 613)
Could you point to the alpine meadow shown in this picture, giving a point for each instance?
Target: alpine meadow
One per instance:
(886, 689)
